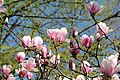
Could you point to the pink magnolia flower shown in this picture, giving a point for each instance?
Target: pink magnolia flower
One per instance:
(29, 75)
(20, 56)
(62, 34)
(85, 66)
(1, 4)
(102, 28)
(71, 64)
(74, 50)
(30, 64)
(57, 34)
(52, 33)
(108, 65)
(80, 77)
(26, 41)
(37, 42)
(44, 51)
(93, 8)
(22, 72)
(87, 41)
(6, 70)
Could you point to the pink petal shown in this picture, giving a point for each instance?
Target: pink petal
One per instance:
(85, 40)
(86, 67)
(20, 56)
(63, 31)
(29, 75)
(26, 40)
(107, 67)
(37, 41)
(94, 6)
(52, 33)
(44, 51)
(91, 40)
(113, 59)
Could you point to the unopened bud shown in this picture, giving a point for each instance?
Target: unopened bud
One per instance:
(44, 51)
(74, 32)
(71, 64)
(97, 35)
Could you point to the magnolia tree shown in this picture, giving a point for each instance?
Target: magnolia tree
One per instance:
(43, 60)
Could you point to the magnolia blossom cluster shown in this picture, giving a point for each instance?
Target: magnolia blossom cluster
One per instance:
(93, 8)
(58, 35)
(36, 41)
(52, 60)
(102, 29)
(109, 67)
(85, 66)
(85, 41)
(27, 67)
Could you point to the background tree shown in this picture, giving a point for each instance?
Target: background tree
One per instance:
(34, 17)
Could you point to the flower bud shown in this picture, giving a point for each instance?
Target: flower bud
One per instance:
(44, 51)
(71, 64)
(74, 49)
(74, 32)
(98, 36)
